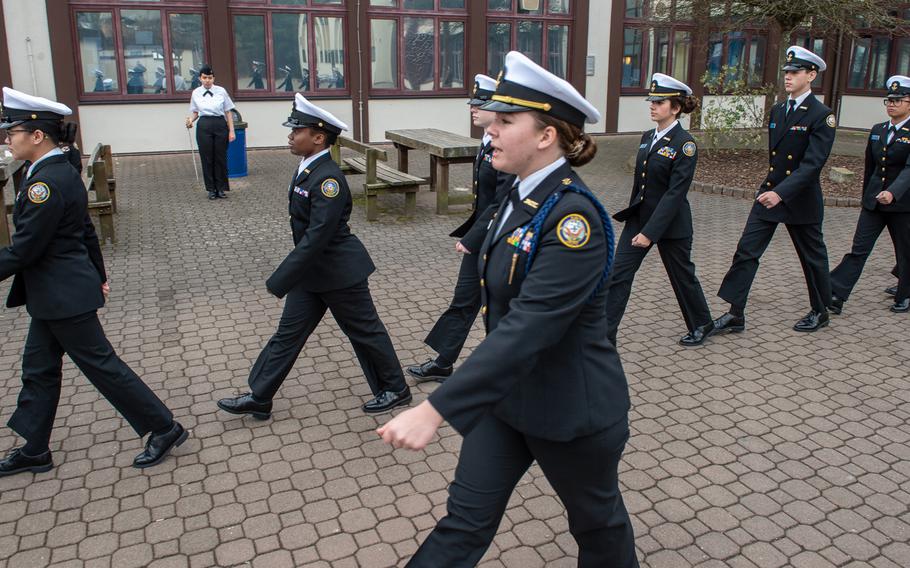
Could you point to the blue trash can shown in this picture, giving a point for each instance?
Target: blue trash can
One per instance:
(236, 153)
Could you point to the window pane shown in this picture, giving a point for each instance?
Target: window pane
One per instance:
(290, 2)
(328, 2)
(419, 64)
(187, 49)
(329, 33)
(383, 3)
(558, 6)
(143, 51)
(451, 55)
(879, 63)
(95, 31)
(736, 49)
(660, 51)
(538, 10)
(903, 57)
(530, 40)
(635, 8)
(418, 5)
(756, 68)
(631, 57)
(289, 48)
(500, 5)
(859, 62)
(384, 54)
(499, 42)
(558, 50)
(682, 44)
(451, 4)
(249, 45)
(715, 53)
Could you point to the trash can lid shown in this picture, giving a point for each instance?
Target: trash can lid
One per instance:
(239, 123)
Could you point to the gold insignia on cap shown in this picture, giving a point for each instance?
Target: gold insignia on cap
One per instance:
(474, 92)
(531, 203)
(320, 124)
(574, 231)
(567, 181)
(34, 116)
(895, 86)
(39, 192)
(831, 121)
(499, 77)
(330, 188)
(653, 86)
(789, 56)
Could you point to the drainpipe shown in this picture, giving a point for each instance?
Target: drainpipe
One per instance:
(364, 136)
(31, 65)
(835, 86)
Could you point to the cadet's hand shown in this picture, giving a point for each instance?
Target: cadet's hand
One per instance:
(189, 122)
(106, 290)
(885, 197)
(231, 136)
(640, 240)
(412, 429)
(461, 248)
(769, 199)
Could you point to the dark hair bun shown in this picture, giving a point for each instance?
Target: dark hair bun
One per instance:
(583, 151)
(68, 132)
(688, 104)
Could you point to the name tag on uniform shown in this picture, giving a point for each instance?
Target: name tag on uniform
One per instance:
(667, 152)
(772, 125)
(645, 145)
(799, 128)
(875, 137)
(301, 191)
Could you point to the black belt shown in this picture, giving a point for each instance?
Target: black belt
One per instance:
(210, 116)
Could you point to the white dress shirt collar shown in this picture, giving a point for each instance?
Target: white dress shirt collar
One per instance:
(662, 133)
(528, 185)
(800, 99)
(53, 152)
(305, 162)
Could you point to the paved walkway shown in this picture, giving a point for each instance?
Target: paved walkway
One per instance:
(765, 449)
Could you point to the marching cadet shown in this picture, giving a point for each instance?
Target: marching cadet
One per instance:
(659, 212)
(60, 279)
(451, 330)
(886, 200)
(546, 384)
(212, 105)
(800, 136)
(328, 269)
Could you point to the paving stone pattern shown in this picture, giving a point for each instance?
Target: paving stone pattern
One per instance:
(765, 449)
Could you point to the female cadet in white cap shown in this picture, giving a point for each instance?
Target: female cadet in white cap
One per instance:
(658, 212)
(546, 384)
(886, 200)
(60, 279)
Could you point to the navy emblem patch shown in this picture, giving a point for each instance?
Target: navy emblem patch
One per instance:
(330, 188)
(689, 149)
(573, 231)
(39, 192)
(831, 121)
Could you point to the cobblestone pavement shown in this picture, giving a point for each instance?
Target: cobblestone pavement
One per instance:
(765, 449)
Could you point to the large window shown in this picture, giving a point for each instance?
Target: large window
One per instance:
(417, 45)
(657, 38)
(130, 50)
(541, 34)
(282, 48)
(741, 53)
(869, 63)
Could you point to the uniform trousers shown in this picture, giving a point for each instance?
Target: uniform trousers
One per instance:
(212, 139)
(356, 315)
(452, 328)
(868, 228)
(676, 256)
(810, 248)
(82, 338)
(583, 472)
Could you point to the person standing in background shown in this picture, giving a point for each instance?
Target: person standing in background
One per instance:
(212, 106)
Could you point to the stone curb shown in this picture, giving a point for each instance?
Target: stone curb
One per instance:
(715, 189)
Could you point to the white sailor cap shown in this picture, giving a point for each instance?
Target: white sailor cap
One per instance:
(801, 58)
(525, 86)
(19, 107)
(898, 86)
(664, 86)
(304, 113)
(484, 87)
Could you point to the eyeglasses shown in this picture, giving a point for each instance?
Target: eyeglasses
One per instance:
(894, 102)
(8, 132)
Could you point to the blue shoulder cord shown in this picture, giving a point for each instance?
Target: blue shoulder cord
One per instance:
(541, 216)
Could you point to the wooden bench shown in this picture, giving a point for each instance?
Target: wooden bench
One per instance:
(379, 177)
(100, 171)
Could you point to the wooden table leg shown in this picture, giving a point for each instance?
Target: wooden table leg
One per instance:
(402, 158)
(442, 186)
(4, 224)
(433, 179)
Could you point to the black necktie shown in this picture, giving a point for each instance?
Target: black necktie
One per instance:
(891, 132)
(515, 197)
(791, 107)
(207, 93)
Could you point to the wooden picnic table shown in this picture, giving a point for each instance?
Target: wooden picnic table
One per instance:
(444, 148)
(8, 169)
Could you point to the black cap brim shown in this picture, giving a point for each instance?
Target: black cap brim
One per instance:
(652, 98)
(8, 125)
(477, 102)
(499, 106)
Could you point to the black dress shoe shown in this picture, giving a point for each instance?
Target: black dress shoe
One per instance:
(387, 400)
(17, 462)
(213, 195)
(837, 305)
(697, 336)
(728, 323)
(901, 306)
(892, 291)
(220, 195)
(429, 371)
(159, 446)
(813, 321)
(245, 404)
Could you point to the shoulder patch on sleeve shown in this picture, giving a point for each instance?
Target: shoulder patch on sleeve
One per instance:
(689, 148)
(39, 192)
(831, 121)
(330, 188)
(573, 230)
